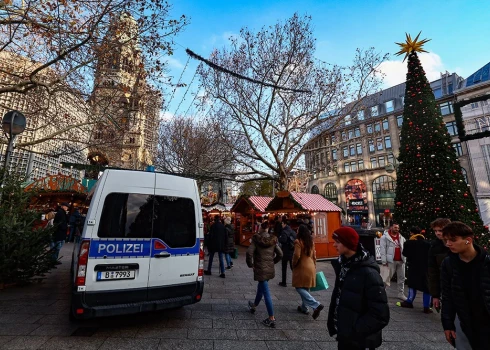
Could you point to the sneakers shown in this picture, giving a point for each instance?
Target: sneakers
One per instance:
(283, 284)
(317, 311)
(269, 323)
(229, 267)
(222, 275)
(405, 304)
(428, 310)
(305, 312)
(207, 273)
(251, 307)
(402, 297)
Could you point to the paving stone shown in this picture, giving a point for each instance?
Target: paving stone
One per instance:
(25, 342)
(437, 337)
(117, 332)
(165, 333)
(266, 334)
(185, 344)
(13, 318)
(60, 330)
(234, 324)
(307, 335)
(5, 339)
(197, 323)
(212, 334)
(400, 336)
(239, 345)
(212, 314)
(292, 345)
(73, 343)
(130, 344)
(17, 328)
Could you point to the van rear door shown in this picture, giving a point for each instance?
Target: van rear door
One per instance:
(120, 247)
(175, 252)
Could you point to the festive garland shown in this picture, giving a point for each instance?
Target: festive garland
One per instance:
(458, 116)
(239, 76)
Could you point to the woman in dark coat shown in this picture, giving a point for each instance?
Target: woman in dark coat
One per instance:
(217, 244)
(230, 242)
(262, 255)
(416, 250)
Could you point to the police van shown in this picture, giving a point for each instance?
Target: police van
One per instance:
(141, 248)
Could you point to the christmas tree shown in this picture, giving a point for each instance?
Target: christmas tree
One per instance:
(430, 183)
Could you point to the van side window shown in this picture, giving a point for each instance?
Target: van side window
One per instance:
(175, 221)
(126, 215)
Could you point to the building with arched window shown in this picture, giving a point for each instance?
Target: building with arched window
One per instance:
(315, 190)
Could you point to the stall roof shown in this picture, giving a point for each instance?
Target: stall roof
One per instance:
(256, 202)
(301, 201)
(216, 206)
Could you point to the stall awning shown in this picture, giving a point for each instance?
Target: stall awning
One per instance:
(255, 202)
(301, 202)
(216, 206)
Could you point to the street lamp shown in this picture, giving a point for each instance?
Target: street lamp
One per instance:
(13, 124)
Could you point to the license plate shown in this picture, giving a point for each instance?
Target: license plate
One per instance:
(115, 275)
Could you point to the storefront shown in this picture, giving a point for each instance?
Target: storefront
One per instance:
(356, 202)
(384, 200)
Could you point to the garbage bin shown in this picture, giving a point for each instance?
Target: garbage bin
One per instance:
(370, 241)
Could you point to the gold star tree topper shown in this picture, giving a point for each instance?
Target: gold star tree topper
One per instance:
(411, 45)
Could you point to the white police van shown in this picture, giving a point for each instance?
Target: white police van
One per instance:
(141, 248)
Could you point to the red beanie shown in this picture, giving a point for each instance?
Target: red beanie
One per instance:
(347, 236)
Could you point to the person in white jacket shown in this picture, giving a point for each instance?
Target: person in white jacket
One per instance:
(392, 258)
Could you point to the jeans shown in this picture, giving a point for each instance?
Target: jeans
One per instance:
(308, 300)
(285, 260)
(263, 290)
(399, 267)
(228, 260)
(56, 246)
(411, 297)
(72, 233)
(462, 342)
(221, 263)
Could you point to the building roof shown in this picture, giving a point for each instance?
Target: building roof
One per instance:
(260, 202)
(245, 202)
(295, 201)
(480, 76)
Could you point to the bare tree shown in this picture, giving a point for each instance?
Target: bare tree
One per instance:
(270, 121)
(48, 48)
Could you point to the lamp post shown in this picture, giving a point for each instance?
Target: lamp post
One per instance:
(13, 124)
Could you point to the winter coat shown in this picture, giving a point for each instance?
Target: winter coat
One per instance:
(287, 239)
(230, 239)
(75, 218)
(277, 228)
(304, 266)
(454, 299)
(437, 253)
(417, 252)
(363, 306)
(61, 223)
(217, 238)
(387, 248)
(262, 254)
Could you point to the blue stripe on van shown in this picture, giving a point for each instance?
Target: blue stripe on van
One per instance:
(119, 248)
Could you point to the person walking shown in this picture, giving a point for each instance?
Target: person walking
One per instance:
(416, 250)
(277, 226)
(230, 242)
(216, 244)
(286, 239)
(465, 285)
(60, 221)
(262, 254)
(74, 221)
(359, 307)
(391, 247)
(304, 271)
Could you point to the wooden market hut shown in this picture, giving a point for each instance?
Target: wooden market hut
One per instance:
(325, 215)
(248, 211)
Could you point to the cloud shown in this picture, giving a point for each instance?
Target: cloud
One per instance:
(166, 116)
(174, 63)
(396, 70)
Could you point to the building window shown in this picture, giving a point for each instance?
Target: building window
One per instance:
(474, 105)
(353, 166)
(344, 136)
(346, 152)
(131, 140)
(315, 190)
(452, 129)
(437, 93)
(360, 115)
(374, 162)
(390, 106)
(390, 158)
(377, 127)
(465, 174)
(379, 144)
(387, 142)
(402, 99)
(360, 164)
(458, 149)
(359, 148)
(334, 154)
(381, 161)
(357, 132)
(374, 111)
(352, 150)
(351, 134)
(346, 167)
(386, 126)
(399, 120)
(369, 128)
(371, 146)
(333, 139)
(347, 120)
(331, 193)
(446, 108)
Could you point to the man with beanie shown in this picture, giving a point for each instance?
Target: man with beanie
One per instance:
(391, 247)
(359, 306)
(287, 238)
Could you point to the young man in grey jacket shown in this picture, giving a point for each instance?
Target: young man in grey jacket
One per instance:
(391, 256)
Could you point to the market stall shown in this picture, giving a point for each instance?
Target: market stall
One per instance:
(249, 212)
(323, 216)
(209, 211)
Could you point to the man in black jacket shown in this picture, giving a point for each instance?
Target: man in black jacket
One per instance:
(465, 283)
(287, 238)
(61, 225)
(359, 307)
(217, 244)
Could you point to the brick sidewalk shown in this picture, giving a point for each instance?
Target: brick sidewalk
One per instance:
(36, 317)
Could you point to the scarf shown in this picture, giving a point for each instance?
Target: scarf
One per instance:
(345, 266)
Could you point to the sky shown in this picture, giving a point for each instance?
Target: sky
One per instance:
(459, 31)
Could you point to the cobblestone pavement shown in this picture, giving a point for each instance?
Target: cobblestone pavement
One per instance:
(36, 317)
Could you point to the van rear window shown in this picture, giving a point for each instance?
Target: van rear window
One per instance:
(126, 215)
(129, 215)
